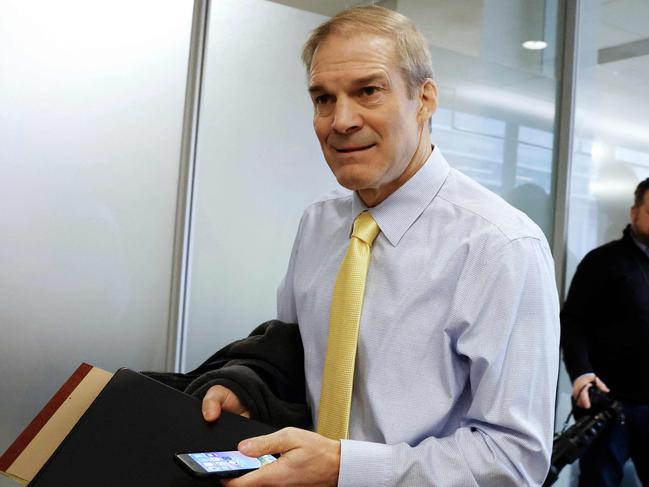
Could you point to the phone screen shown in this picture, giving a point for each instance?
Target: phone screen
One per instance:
(228, 461)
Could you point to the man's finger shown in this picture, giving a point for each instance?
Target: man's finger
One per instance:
(211, 410)
(212, 401)
(219, 399)
(601, 385)
(584, 398)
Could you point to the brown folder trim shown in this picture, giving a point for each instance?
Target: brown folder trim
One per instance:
(25, 438)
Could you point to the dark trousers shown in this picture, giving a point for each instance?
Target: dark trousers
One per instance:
(603, 463)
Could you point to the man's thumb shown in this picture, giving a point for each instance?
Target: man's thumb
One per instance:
(267, 444)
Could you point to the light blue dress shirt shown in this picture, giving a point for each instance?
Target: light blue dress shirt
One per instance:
(458, 346)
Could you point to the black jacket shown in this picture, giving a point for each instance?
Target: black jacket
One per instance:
(605, 319)
(265, 371)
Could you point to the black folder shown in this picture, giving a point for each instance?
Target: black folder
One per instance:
(129, 434)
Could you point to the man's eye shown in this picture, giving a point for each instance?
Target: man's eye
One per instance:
(369, 90)
(322, 99)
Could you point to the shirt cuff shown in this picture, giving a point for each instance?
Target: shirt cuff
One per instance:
(364, 464)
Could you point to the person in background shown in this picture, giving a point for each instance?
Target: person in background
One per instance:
(426, 305)
(605, 341)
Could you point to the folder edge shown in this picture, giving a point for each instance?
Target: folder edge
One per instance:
(41, 438)
(41, 419)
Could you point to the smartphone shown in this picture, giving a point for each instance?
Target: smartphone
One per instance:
(221, 464)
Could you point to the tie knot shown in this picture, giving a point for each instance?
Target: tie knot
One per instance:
(365, 228)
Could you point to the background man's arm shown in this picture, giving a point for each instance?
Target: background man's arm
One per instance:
(582, 296)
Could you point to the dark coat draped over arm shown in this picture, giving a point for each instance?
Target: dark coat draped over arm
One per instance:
(265, 370)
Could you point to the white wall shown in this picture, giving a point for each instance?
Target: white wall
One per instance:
(258, 166)
(91, 103)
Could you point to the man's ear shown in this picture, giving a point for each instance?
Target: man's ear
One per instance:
(427, 101)
(633, 213)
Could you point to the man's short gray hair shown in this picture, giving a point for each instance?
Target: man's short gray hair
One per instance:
(412, 53)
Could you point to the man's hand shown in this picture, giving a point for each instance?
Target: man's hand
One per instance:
(581, 386)
(219, 398)
(307, 459)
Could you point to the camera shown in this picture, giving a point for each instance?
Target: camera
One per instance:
(570, 444)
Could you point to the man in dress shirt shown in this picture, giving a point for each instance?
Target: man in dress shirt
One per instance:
(457, 352)
(605, 338)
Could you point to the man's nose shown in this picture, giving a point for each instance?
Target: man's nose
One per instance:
(347, 118)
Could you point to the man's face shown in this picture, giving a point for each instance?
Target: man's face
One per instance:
(369, 129)
(640, 220)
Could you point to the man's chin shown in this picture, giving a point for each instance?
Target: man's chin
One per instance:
(351, 182)
(348, 175)
(352, 178)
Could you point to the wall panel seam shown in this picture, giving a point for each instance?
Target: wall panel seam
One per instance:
(176, 334)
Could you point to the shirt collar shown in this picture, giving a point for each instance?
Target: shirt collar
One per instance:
(642, 246)
(396, 214)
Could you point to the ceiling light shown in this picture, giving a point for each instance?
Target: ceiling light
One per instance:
(535, 45)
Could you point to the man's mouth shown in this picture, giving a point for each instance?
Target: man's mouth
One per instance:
(347, 150)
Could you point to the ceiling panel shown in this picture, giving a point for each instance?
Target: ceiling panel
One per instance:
(629, 16)
(323, 7)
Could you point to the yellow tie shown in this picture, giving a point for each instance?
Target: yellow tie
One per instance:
(346, 305)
